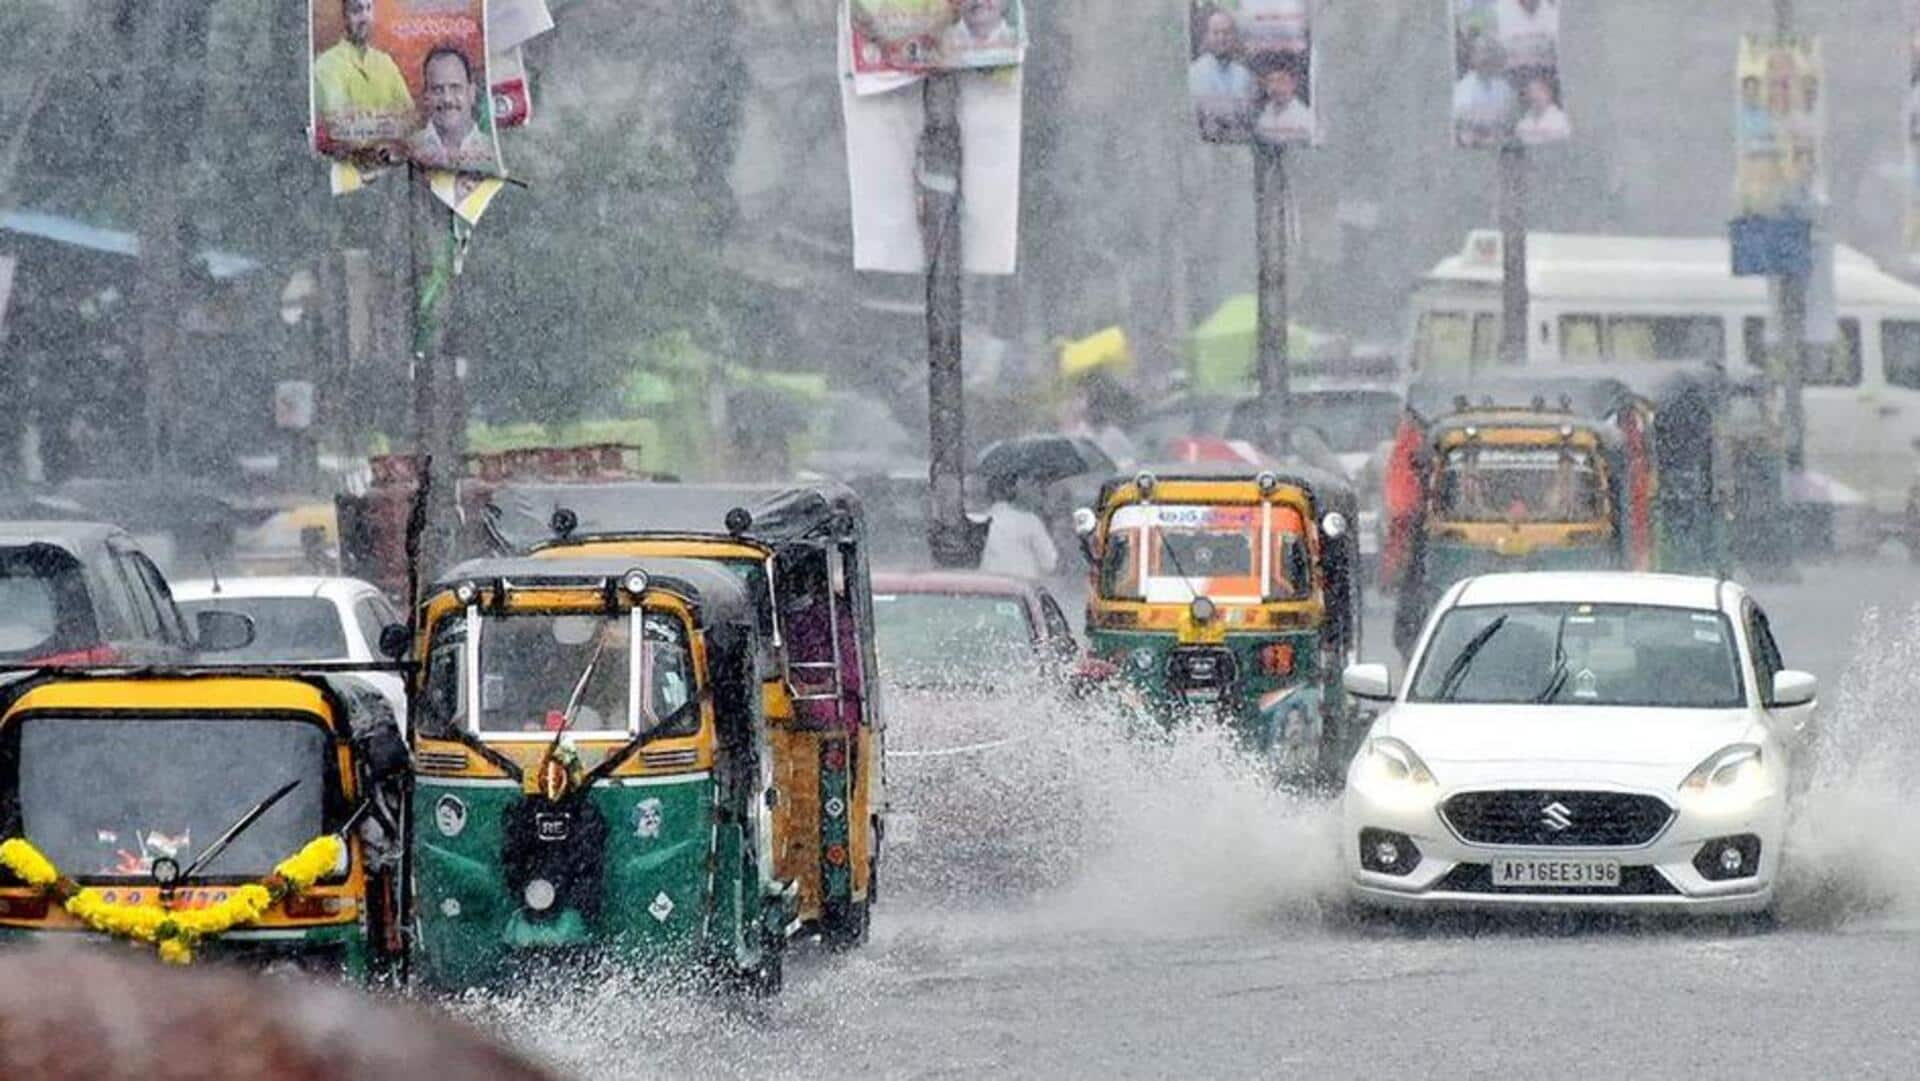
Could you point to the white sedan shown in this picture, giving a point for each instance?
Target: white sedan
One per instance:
(303, 620)
(1609, 741)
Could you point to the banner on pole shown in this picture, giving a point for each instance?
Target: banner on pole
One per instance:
(885, 115)
(402, 80)
(1506, 74)
(512, 98)
(1251, 71)
(1779, 123)
(916, 36)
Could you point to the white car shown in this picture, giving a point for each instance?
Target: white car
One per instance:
(305, 619)
(1604, 740)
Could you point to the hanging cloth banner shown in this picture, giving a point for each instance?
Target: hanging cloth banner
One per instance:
(401, 80)
(912, 36)
(1251, 71)
(885, 114)
(1780, 121)
(1506, 74)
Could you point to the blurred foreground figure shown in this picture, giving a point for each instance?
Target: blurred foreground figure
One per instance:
(85, 1014)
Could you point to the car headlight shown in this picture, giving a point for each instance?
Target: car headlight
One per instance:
(1731, 778)
(1388, 763)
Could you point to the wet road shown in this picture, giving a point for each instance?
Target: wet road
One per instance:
(1201, 935)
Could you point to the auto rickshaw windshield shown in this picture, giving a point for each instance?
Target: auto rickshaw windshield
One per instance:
(168, 787)
(1560, 485)
(539, 672)
(1230, 553)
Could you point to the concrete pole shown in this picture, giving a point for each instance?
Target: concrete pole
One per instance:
(1270, 204)
(434, 437)
(1513, 247)
(1793, 318)
(940, 195)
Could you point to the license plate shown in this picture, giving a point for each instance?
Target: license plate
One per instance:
(1204, 695)
(1556, 873)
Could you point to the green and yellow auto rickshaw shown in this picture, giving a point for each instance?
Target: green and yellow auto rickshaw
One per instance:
(244, 815)
(1233, 595)
(592, 773)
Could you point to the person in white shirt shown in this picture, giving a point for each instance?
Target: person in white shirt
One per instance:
(982, 28)
(1284, 118)
(1222, 87)
(450, 139)
(1484, 103)
(1530, 33)
(1018, 544)
(1544, 121)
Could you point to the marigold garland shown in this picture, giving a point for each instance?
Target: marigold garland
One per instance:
(174, 934)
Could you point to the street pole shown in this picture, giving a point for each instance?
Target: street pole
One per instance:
(435, 440)
(938, 176)
(1270, 203)
(1513, 258)
(1792, 294)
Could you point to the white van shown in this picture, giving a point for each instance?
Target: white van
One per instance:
(1620, 301)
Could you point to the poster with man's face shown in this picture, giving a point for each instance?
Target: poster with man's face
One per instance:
(403, 80)
(1506, 74)
(1779, 125)
(894, 37)
(1250, 70)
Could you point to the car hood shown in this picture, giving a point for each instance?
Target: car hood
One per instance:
(1469, 744)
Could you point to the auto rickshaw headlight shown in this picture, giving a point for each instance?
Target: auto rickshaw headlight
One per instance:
(1203, 610)
(1145, 483)
(467, 592)
(1269, 483)
(634, 581)
(1085, 522)
(1334, 525)
(539, 895)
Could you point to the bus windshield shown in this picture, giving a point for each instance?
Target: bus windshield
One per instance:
(1522, 485)
(1241, 554)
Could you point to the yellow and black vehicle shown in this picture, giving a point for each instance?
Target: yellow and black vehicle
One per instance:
(801, 555)
(244, 814)
(1225, 592)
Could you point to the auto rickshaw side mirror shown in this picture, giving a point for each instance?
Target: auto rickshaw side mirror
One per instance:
(1368, 682)
(395, 640)
(222, 632)
(384, 751)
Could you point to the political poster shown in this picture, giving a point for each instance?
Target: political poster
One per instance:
(885, 115)
(1250, 71)
(892, 37)
(402, 80)
(1506, 74)
(512, 98)
(1779, 126)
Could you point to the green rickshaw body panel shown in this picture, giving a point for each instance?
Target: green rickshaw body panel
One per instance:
(661, 833)
(1258, 705)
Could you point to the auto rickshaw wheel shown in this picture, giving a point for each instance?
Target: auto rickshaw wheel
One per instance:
(845, 927)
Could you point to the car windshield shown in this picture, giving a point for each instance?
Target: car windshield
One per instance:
(1582, 654)
(44, 605)
(534, 666)
(1167, 554)
(168, 787)
(930, 640)
(1506, 484)
(286, 630)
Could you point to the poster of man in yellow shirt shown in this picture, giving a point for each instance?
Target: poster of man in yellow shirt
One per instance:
(399, 80)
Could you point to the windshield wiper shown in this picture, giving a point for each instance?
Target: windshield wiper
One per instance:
(1457, 671)
(1558, 678)
(234, 831)
(579, 691)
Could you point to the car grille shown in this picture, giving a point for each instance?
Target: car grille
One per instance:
(1634, 882)
(1557, 819)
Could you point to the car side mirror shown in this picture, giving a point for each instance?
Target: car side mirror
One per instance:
(1791, 688)
(222, 632)
(395, 640)
(1368, 682)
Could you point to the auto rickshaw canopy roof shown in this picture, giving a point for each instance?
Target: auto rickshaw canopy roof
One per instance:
(1325, 490)
(716, 597)
(780, 513)
(1595, 397)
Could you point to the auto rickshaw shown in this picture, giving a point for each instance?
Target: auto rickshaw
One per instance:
(1232, 594)
(591, 773)
(801, 555)
(247, 815)
(1517, 475)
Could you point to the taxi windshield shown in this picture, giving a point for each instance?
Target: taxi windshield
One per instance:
(169, 787)
(1520, 484)
(1233, 553)
(540, 672)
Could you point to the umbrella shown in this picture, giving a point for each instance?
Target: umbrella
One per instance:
(1045, 458)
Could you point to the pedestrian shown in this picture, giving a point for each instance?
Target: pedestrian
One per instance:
(1018, 544)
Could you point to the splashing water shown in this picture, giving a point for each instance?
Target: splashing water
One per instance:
(1850, 844)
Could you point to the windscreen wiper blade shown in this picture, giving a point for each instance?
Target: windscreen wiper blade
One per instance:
(234, 831)
(1457, 671)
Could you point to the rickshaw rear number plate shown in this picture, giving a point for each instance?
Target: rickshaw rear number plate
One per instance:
(551, 827)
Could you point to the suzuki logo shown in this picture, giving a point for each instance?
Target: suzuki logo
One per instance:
(1556, 817)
